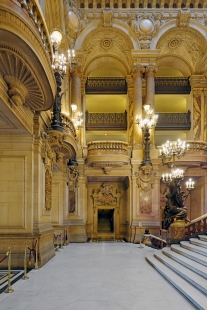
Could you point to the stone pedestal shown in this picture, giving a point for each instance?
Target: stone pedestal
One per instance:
(176, 232)
(147, 239)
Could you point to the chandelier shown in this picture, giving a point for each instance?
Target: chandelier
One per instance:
(150, 119)
(59, 64)
(169, 151)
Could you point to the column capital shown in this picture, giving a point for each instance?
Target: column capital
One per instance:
(151, 70)
(137, 70)
(76, 70)
(205, 92)
(197, 91)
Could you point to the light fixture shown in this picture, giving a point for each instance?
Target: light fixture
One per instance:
(171, 149)
(175, 209)
(146, 124)
(150, 119)
(73, 107)
(59, 65)
(76, 117)
(78, 120)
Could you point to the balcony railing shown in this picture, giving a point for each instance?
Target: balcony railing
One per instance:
(178, 85)
(97, 147)
(68, 125)
(106, 85)
(103, 121)
(173, 121)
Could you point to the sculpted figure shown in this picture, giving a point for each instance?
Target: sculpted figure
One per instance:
(174, 209)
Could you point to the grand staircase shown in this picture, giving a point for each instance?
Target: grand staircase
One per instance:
(184, 265)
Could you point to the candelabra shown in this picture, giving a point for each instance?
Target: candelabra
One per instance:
(169, 151)
(76, 117)
(59, 65)
(146, 124)
(176, 197)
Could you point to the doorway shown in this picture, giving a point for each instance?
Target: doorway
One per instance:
(106, 224)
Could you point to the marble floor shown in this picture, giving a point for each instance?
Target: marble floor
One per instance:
(95, 276)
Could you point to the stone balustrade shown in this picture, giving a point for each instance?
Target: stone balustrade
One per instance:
(107, 155)
(97, 147)
(68, 125)
(32, 8)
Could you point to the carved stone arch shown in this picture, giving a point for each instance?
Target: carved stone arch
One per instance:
(186, 44)
(110, 43)
(117, 25)
(177, 62)
(109, 61)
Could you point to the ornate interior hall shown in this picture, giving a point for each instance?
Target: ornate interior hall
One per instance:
(103, 125)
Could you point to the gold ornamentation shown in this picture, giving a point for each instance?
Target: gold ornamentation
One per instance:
(107, 15)
(24, 88)
(183, 17)
(73, 175)
(105, 196)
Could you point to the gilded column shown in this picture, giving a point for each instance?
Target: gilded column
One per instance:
(137, 74)
(197, 131)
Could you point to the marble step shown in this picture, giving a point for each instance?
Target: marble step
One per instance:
(198, 242)
(186, 262)
(202, 238)
(194, 279)
(201, 259)
(192, 247)
(197, 298)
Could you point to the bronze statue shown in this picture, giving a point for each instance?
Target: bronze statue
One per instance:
(174, 209)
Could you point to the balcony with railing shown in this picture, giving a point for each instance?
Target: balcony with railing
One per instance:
(173, 121)
(103, 121)
(107, 154)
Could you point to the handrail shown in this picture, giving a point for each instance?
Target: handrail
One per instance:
(196, 226)
(158, 242)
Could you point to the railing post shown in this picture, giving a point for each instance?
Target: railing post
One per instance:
(25, 277)
(9, 288)
(36, 263)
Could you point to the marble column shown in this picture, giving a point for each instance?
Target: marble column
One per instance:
(197, 119)
(150, 94)
(205, 115)
(137, 74)
(76, 74)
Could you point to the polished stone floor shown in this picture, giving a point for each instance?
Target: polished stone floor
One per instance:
(95, 276)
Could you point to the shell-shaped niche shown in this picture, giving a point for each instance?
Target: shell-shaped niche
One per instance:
(23, 86)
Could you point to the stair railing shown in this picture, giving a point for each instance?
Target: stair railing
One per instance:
(196, 226)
